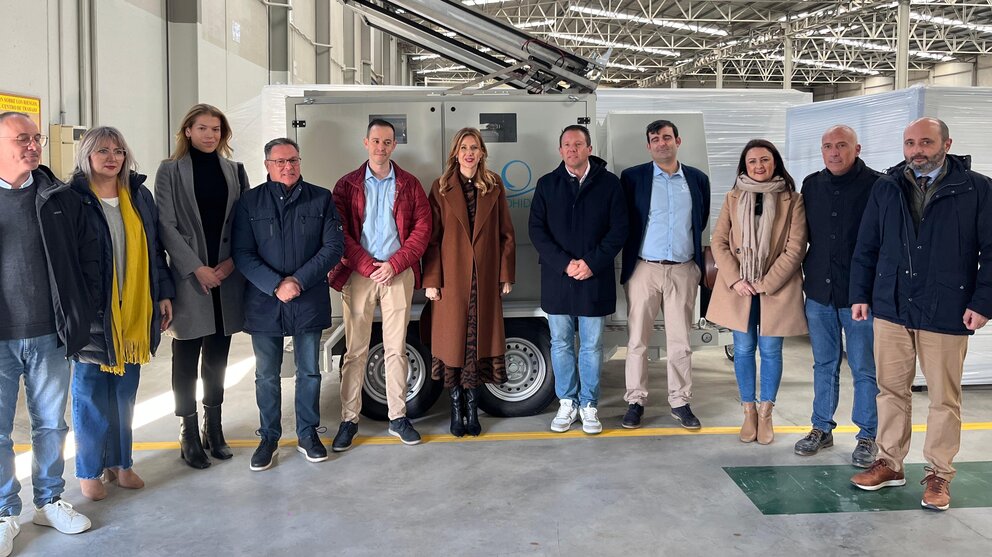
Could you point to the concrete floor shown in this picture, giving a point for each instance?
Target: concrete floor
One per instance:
(653, 493)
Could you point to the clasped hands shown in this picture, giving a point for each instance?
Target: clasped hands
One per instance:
(578, 270)
(211, 277)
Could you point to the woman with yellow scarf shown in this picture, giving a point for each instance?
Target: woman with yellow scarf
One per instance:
(134, 308)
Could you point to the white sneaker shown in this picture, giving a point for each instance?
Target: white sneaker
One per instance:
(590, 420)
(61, 516)
(565, 417)
(9, 528)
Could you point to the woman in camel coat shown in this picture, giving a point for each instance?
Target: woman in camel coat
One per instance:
(759, 285)
(468, 265)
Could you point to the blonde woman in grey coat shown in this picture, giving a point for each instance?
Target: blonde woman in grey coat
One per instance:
(196, 190)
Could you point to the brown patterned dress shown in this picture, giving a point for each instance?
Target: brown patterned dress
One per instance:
(476, 370)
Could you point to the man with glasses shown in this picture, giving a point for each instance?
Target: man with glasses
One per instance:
(49, 272)
(387, 223)
(286, 238)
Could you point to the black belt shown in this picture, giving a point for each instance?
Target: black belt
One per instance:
(662, 261)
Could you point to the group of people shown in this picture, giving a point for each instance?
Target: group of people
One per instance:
(96, 269)
(890, 268)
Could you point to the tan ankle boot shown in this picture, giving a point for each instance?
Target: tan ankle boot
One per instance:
(749, 431)
(766, 432)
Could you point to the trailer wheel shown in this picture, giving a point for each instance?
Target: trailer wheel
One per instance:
(530, 384)
(422, 391)
(728, 350)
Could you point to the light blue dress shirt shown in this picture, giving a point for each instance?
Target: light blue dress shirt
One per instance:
(28, 182)
(379, 234)
(668, 234)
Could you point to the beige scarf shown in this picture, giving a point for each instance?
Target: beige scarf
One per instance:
(756, 231)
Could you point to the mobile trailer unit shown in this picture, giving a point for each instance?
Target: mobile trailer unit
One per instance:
(521, 134)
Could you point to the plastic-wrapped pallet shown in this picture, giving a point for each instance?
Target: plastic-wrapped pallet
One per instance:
(731, 118)
(879, 121)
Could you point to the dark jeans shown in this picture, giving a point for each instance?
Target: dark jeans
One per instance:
(268, 386)
(186, 358)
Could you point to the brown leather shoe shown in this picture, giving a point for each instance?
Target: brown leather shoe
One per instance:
(937, 495)
(877, 476)
(766, 432)
(749, 430)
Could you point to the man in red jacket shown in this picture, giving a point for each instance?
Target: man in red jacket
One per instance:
(387, 223)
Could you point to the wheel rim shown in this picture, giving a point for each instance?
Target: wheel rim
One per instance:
(526, 371)
(375, 373)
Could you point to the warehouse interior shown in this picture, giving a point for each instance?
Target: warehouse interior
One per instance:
(784, 71)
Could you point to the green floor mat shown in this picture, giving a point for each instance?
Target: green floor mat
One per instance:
(828, 489)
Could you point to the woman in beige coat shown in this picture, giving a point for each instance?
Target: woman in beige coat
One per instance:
(468, 265)
(759, 243)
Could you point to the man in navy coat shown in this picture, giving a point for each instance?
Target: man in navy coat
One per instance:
(668, 206)
(286, 238)
(578, 223)
(923, 264)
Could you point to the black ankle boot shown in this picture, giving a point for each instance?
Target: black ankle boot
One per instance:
(190, 448)
(457, 416)
(472, 424)
(213, 434)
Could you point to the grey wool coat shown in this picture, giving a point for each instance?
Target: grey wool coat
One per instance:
(181, 233)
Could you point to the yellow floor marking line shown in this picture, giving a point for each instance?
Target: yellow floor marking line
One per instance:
(574, 433)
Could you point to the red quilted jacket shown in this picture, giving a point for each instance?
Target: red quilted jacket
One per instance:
(413, 221)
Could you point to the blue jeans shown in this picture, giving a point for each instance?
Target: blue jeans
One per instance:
(41, 361)
(102, 413)
(745, 346)
(825, 324)
(268, 388)
(580, 386)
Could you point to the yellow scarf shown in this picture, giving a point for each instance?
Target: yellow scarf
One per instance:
(131, 318)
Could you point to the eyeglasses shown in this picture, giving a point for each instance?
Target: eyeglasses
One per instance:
(295, 161)
(24, 139)
(117, 153)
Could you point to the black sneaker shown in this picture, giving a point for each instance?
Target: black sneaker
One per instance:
(865, 453)
(402, 428)
(684, 416)
(263, 456)
(815, 440)
(632, 419)
(346, 434)
(311, 447)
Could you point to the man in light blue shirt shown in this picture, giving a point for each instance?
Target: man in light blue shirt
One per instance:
(387, 224)
(379, 235)
(668, 205)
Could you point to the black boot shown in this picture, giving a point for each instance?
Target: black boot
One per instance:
(472, 424)
(457, 416)
(213, 434)
(190, 448)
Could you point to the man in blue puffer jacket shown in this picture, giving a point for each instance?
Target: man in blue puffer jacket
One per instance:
(286, 238)
(923, 262)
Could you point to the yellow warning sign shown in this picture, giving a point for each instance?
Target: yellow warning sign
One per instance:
(20, 103)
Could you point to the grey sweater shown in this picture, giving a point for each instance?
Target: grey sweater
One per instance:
(25, 295)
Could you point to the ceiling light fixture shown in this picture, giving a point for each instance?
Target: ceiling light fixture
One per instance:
(650, 21)
(600, 42)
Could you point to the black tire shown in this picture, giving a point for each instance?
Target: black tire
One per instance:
(728, 350)
(531, 383)
(423, 391)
